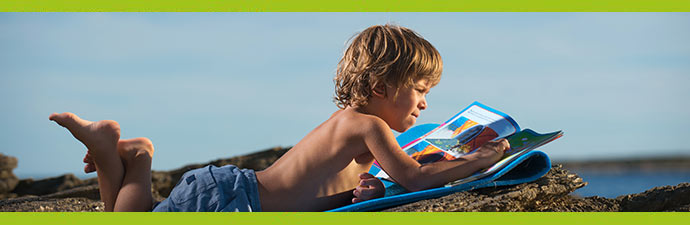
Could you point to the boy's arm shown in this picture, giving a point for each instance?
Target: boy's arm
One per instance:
(414, 176)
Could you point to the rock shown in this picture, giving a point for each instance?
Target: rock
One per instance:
(658, 199)
(7, 162)
(47, 186)
(8, 195)
(42, 204)
(80, 199)
(91, 192)
(551, 194)
(8, 181)
(540, 195)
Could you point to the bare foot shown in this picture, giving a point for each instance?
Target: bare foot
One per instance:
(90, 165)
(128, 149)
(135, 148)
(97, 136)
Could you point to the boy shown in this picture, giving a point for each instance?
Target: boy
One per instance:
(381, 84)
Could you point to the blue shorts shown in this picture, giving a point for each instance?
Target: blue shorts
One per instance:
(213, 189)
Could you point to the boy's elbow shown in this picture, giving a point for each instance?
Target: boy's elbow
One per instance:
(413, 187)
(414, 184)
(421, 180)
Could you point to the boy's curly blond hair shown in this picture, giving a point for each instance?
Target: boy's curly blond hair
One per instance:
(384, 54)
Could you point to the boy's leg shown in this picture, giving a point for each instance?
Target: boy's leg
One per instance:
(101, 139)
(135, 193)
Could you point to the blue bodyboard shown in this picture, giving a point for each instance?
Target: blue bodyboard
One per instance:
(526, 168)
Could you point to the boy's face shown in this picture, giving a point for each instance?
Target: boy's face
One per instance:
(406, 107)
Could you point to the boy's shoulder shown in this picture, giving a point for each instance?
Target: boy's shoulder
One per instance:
(358, 121)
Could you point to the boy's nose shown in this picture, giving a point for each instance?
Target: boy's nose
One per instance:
(422, 104)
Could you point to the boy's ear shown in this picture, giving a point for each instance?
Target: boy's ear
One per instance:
(379, 90)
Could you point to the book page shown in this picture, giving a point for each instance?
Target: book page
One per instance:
(462, 134)
(520, 143)
(468, 130)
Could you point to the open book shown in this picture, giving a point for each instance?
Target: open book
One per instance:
(464, 133)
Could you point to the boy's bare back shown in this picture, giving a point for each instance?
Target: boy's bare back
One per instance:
(321, 171)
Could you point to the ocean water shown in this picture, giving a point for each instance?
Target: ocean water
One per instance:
(612, 184)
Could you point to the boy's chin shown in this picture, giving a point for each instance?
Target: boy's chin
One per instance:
(402, 128)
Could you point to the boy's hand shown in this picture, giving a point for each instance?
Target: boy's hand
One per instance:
(369, 187)
(493, 151)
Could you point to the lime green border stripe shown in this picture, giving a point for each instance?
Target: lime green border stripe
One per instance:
(345, 218)
(346, 5)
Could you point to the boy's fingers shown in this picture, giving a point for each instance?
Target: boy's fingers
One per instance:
(369, 182)
(366, 193)
(504, 145)
(369, 192)
(365, 176)
(499, 146)
(368, 188)
(362, 191)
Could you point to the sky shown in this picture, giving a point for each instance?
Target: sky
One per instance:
(204, 86)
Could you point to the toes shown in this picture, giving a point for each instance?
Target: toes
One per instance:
(88, 158)
(62, 116)
(90, 168)
(52, 116)
(90, 165)
(65, 119)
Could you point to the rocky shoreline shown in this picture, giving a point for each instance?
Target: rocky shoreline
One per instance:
(551, 193)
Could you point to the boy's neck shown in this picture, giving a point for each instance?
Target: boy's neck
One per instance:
(368, 109)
